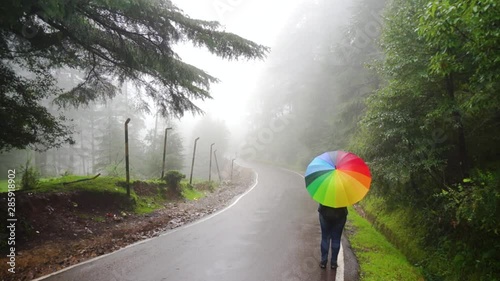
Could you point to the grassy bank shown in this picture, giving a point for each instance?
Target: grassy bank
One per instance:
(67, 183)
(3, 186)
(151, 196)
(440, 258)
(378, 259)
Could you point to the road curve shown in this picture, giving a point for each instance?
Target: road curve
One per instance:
(270, 234)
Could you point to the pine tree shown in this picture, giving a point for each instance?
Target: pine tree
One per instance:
(107, 40)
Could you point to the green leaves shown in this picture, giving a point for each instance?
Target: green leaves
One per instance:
(438, 109)
(24, 122)
(116, 40)
(464, 31)
(474, 201)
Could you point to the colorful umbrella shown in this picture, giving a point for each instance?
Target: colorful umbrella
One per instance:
(337, 179)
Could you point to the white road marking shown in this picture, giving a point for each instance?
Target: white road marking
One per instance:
(340, 269)
(163, 234)
(340, 260)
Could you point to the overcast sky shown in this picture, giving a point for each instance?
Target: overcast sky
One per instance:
(257, 20)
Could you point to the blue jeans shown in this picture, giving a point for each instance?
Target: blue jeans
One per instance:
(331, 231)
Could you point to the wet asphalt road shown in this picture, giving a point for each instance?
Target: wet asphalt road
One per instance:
(270, 234)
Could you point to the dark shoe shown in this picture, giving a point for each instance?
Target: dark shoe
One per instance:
(334, 265)
(322, 264)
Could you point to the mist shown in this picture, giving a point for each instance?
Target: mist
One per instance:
(136, 113)
(310, 93)
(270, 109)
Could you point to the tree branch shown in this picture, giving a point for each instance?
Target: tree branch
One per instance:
(93, 178)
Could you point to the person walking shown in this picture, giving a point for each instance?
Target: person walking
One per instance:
(332, 222)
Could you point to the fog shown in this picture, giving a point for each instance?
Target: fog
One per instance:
(259, 21)
(243, 82)
(273, 109)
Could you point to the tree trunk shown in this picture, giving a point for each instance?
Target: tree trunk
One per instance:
(71, 162)
(92, 143)
(153, 142)
(457, 117)
(41, 162)
(58, 161)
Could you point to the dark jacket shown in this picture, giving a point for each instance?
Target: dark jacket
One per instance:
(332, 214)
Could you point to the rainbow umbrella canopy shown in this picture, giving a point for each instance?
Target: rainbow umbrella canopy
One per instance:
(337, 179)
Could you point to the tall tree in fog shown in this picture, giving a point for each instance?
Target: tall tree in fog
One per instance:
(124, 40)
(354, 79)
(292, 82)
(318, 81)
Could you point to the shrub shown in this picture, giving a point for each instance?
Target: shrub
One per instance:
(473, 208)
(30, 177)
(173, 180)
(475, 201)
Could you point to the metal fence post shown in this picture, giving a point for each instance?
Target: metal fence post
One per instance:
(192, 163)
(217, 164)
(127, 164)
(210, 165)
(164, 153)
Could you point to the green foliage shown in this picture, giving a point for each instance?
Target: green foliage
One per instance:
(472, 210)
(405, 132)
(173, 180)
(4, 185)
(148, 204)
(191, 194)
(475, 201)
(109, 41)
(401, 225)
(430, 126)
(463, 40)
(30, 177)
(463, 36)
(24, 122)
(457, 252)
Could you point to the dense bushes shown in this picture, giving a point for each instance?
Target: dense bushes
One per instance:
(471, 238)
(474, 202)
